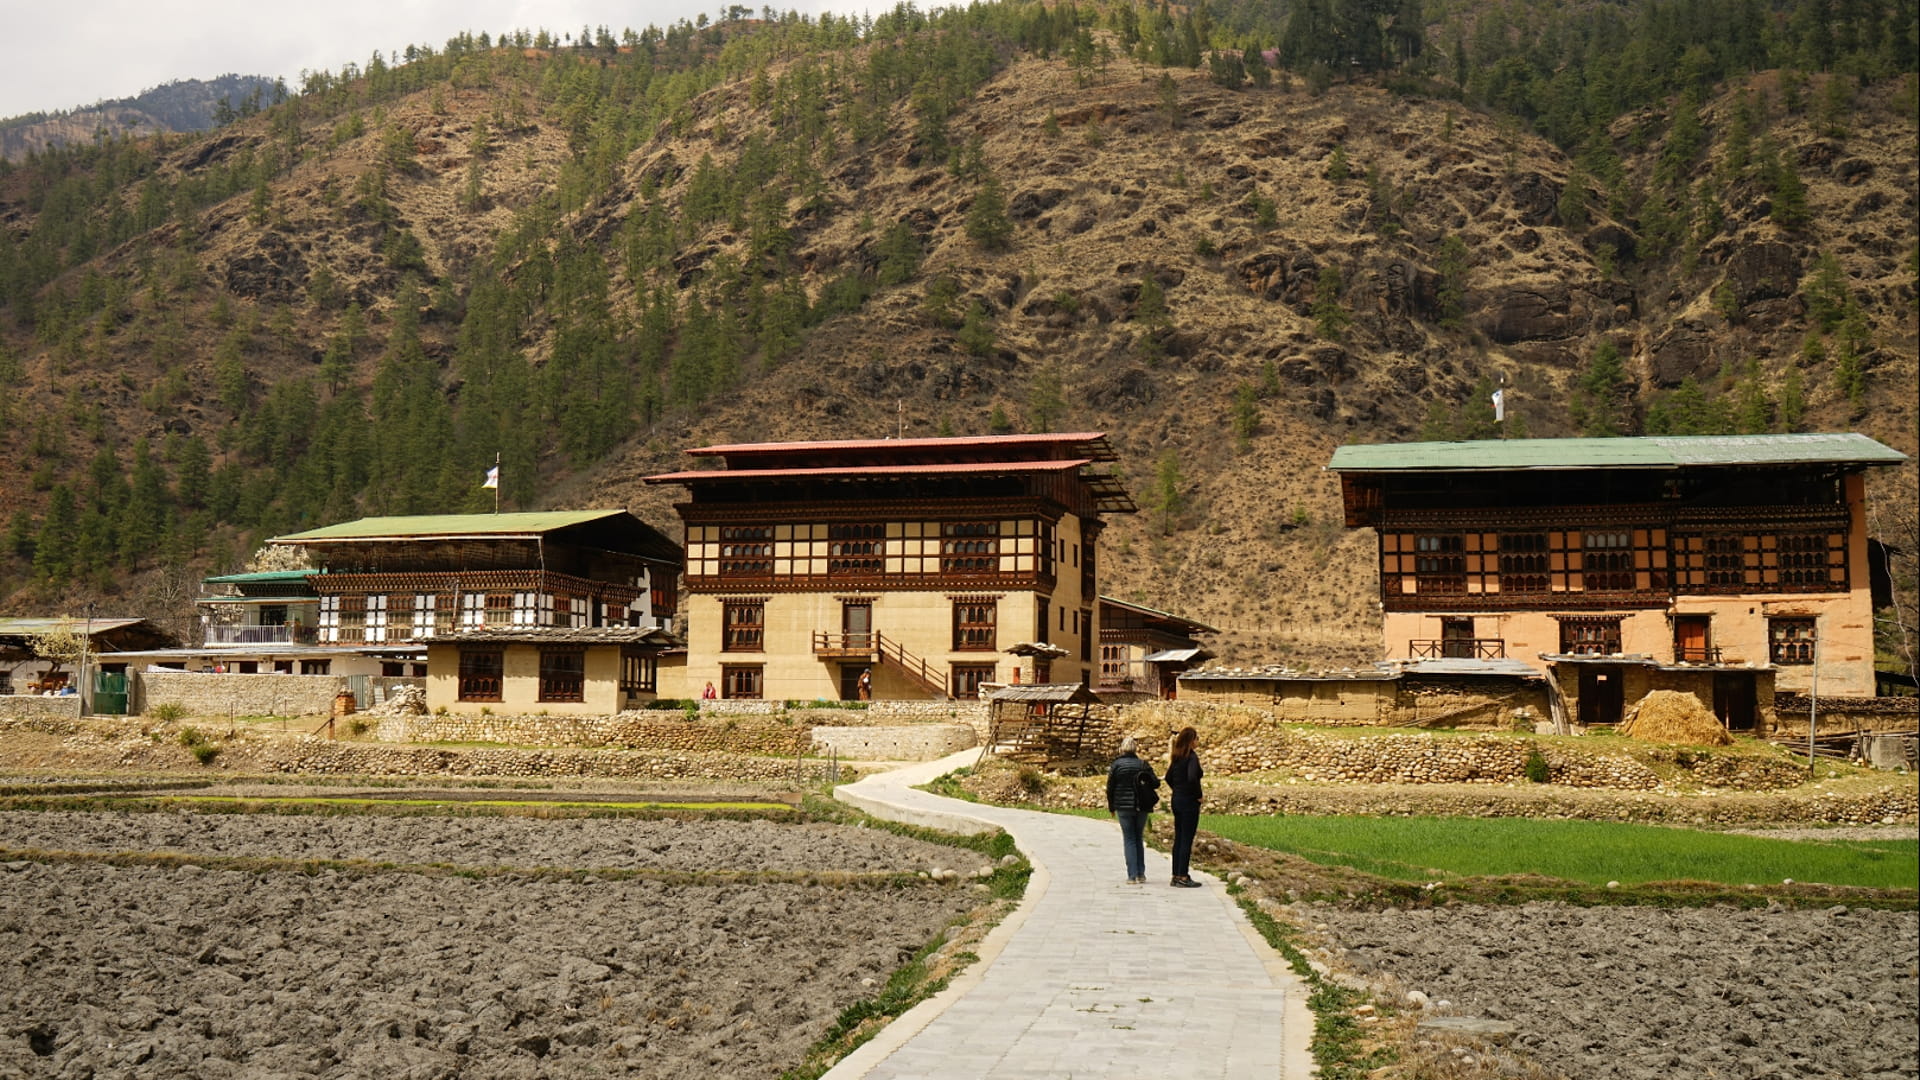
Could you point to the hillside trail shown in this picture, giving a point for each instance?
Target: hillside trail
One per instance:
(1089, 977)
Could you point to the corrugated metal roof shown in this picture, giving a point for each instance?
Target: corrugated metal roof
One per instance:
(1175, 656)
(23, 627)
(1053, 693)
(1157, 613)
(1466, 666)
(449, 526)
(557, 635)
(707, 475)
(952, 443)
(1647, 452)
(261, 576)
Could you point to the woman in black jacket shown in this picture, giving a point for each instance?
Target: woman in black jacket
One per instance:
(1183, 779)
(1132, 790)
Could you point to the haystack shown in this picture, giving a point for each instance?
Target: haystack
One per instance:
(1674, 716)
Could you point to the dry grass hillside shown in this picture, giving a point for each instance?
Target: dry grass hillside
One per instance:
(1107, 187)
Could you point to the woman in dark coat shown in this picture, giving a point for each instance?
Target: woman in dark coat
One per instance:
(1183, 780)
(1132, 789)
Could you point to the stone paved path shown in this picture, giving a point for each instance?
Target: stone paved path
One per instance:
(1091, 977)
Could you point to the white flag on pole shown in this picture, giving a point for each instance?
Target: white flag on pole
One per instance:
(493, 478)
(1499, 405)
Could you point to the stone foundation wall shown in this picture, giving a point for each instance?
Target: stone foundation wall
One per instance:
(661, 730)
(35, 707)
(202, 694)
(1839, 714)
(917, 742)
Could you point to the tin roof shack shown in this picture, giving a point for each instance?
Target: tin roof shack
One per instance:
(1491, 694)
(1049, 724)
(597, 670)
(1143, 650)
(23, 671)
(908, 561)
(1732, 553)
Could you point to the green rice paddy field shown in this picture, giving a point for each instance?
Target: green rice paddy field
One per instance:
(1436, 849)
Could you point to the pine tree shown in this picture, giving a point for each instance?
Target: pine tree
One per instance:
(1046, 399)
(1330, 319)
(987, 222)
(1167, 499)
(976, 331)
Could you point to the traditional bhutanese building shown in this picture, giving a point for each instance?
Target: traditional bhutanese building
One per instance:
(1605, 562)
(915, 562)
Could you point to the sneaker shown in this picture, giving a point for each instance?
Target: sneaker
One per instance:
(1136, 881)
(1185, 883)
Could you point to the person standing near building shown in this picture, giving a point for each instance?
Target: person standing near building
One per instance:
(1183, 782)
(1132, 792)
(866, 685)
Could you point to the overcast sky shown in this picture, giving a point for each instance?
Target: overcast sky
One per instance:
(73, 54)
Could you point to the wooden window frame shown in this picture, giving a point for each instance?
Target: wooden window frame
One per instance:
(856, 549)
(743, 626)
(1524, 563)
(478, 681)
(563, 675)
(976, 625)
(746, 551)
(639, 673)
(743, 682)
(1792, 640)
(1590, 635)
(969, 548)
(965, 680)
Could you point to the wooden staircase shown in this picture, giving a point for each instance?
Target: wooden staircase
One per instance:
(875, 647)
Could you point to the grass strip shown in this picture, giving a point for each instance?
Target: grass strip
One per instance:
(1339, 1043)
(335, 805)
(610, 804)
(1587, 852)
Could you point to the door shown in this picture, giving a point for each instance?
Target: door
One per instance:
(850, 681)
(1734, 700)
(856, 625)
(1456, 639)
(1690, 639)
(1600, 695)
(110, 694)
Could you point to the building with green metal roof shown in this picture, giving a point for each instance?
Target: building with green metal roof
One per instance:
(1586, 557)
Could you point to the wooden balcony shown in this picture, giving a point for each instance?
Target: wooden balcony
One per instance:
(845, 646)
(1457, 649)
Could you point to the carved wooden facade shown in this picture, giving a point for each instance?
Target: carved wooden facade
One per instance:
(1699, 550)
(911, 562)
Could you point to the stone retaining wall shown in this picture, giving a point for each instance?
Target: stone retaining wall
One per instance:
(916, 742)
(748, 733)
(33, 706)
(1533, 801)
(204, 694)
(1839, 714)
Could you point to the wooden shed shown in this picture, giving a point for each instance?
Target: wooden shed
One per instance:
(1047, 723)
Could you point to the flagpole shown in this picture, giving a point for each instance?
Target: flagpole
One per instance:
(496, 481)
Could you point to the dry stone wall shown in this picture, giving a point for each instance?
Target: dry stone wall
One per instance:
(762, 733)
(205, 694)
(33, 706)
(1845, 714)
(915, 742)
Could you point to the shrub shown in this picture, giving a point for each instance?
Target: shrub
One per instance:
(1536, 767)
(168, 711)
(197, 744)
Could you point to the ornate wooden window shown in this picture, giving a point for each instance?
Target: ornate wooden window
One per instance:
(746, 550)
(856, 549)
(1791, 641)
(1114, 669)
(1086, 635)
(970, 547)
(1523, 562)
(500, 609)
(563, 674)
(1590, 637)
(745, 625)
(1440, 564)
(639, 673)
(975, 622)
(480, 674)
(740, 680)
(968, 677)
(1814, 562)
(1606, 560)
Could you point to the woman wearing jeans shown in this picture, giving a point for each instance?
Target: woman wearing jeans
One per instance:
(1183, 779)
(1132, 789)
